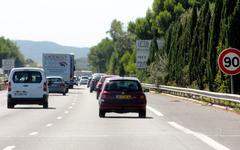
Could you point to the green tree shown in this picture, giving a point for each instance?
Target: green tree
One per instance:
(8, 49)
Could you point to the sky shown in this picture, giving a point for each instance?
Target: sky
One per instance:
(81, 23)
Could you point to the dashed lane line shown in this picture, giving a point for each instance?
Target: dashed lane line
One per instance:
(209, 141)
(59, 117)
(33, 133)
(9, 147)
(49, 125)
(155, 111)
(66, 112)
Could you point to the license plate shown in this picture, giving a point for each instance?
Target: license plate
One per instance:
(20, 93)
(123, 96)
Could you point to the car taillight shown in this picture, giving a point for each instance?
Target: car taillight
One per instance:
(9, 86)
(99, 85)
(104, 95)
(45, 86)
(142, 97)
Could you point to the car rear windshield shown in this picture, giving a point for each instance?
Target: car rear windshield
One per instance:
(84, 77)
(27, 77)
(103, 79)
(55, 80)
(123, 85)
(97, 78)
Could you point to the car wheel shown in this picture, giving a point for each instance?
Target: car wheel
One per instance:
(45, 105)
(142, 114)
(101, 114)
(97, 96)
(10, 105)
(91, 90)
(64, 93)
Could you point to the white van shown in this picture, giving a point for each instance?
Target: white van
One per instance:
(27, 86)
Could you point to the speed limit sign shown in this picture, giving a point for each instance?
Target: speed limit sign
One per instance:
(229, 61)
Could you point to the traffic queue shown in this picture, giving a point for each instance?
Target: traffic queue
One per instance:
(114, 93)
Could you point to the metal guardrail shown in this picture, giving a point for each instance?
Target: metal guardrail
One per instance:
(194, 93)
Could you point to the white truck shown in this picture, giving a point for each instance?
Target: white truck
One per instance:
(57, 64)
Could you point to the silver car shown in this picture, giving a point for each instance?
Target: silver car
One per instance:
(56, 84)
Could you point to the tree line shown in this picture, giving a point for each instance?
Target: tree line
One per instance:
(194, 33)
(8, 50)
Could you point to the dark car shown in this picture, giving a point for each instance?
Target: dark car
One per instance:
(89, 81)
(95, 78)
(101, 81)
(56, 84)
(122, 95)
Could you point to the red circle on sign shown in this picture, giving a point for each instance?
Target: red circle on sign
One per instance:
(221, 64)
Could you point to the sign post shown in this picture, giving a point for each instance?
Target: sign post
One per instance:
(142, 53)
(229, 63)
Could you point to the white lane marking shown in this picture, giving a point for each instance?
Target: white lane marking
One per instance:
(9, 147)
(70, 107)
(49, 125)
(33, 133)
(66, 112)
(155, 111)
(209, 141)
(59, 117)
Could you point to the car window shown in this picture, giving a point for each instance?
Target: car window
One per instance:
(97, 78)
(84, 77)
(54, 80)
(27, 77)
(103, 79)
(123, 85)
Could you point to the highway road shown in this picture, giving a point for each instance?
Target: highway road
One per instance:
(72, 123)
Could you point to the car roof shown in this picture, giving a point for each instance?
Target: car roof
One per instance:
(54, 77)
(123, 78)
(27, 69)
(106, 76)
(98, 74)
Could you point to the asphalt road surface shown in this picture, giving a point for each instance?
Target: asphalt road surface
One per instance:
(72, 123)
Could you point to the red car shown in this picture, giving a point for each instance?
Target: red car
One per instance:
(101, 81)
(122, 95)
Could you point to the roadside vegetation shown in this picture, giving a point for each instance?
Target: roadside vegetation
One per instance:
(9, 50)
(194, 33)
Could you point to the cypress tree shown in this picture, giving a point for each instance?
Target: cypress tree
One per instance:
(213, 43)
(234, 37)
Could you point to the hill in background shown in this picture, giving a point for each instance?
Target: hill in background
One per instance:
(34, 49)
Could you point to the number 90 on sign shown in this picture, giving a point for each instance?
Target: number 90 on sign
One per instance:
(229, 61)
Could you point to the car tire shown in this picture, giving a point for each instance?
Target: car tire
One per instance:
(45, 105)
(142, 114)
(91, 90)
(64, 93)
(10, 105)
(102, 113)
(45, 102)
